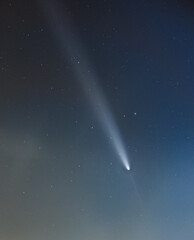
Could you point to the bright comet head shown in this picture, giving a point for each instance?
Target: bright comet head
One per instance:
(128, 167)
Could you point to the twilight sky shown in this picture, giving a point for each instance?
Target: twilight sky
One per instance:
(85, 84)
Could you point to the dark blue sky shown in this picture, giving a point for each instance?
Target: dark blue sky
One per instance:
(60, 175)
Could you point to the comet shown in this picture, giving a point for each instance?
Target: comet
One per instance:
(70, 45)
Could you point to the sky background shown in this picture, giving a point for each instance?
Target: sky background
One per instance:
(60, 177)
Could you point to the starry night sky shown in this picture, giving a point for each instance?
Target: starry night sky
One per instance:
(59, 175)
